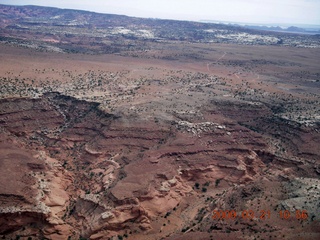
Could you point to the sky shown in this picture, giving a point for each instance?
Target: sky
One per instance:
(246, 11)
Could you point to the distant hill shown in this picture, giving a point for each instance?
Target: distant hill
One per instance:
(302, 29)
(291, 29)
(82, 31)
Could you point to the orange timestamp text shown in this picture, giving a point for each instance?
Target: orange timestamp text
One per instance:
(262, 214)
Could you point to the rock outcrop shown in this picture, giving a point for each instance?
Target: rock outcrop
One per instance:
(78, 171)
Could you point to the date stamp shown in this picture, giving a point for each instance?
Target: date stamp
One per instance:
(261, 214)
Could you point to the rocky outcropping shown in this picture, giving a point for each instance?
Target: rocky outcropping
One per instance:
(78, 171)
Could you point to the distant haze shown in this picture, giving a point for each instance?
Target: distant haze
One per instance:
(253, 11)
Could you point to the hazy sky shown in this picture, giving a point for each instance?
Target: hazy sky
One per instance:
(252, 11)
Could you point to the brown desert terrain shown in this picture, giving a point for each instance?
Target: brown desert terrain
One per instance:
(184, 140)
